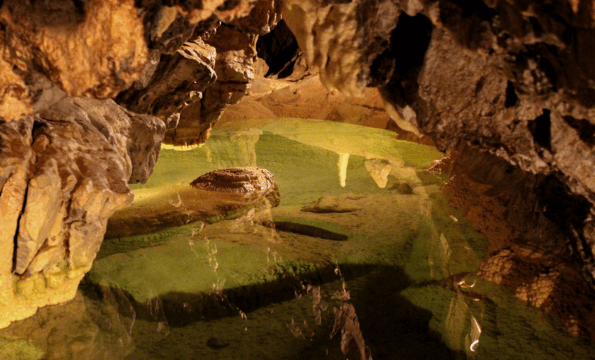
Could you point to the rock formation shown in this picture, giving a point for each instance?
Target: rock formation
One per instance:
(67, 152)
(508, 78)
(65, 170)
(527, 245)
(250, 182)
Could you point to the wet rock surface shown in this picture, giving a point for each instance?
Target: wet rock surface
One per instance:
(528, 235)
(508, 78)
(65, 171)
(250, 182)
(514, 79)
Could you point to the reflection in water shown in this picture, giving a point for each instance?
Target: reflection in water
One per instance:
(401, 286)
(379, 169)
(342, 165)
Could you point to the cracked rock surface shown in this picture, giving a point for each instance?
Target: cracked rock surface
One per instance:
(64, 172)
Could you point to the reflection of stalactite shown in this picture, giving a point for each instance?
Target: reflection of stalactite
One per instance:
(208, 155)
(235, 150)
(461, 326)
(342, 165)
(352, 339)
(247, 147)
(379, 169)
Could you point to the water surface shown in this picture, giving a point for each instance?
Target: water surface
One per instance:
(398, 283)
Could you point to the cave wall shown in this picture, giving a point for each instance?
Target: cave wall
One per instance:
(508, 77)
(513, 79)
(68, 151)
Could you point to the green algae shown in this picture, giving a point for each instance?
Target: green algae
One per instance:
(398, 262)
(510, 329)
(130, 243)
(19, 350)
(181, 265)
(326, 227)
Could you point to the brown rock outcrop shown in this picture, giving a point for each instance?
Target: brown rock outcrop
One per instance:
(513, 78)
(235, 53)
(73, 45)
(64, 172)
(177, 81)
(263, 18)
(527, 233)
(251, 182)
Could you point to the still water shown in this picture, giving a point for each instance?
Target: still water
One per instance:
(367, 261)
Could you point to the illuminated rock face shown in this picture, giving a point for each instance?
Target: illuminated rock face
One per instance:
(66, 160)
(64, 172)
(250, 182)
(72, 45)
(512, 78)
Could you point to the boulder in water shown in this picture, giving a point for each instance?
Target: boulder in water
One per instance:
(251, 182)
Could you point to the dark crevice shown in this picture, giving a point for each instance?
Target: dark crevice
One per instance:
(80, 7)
(397, 73)
(229, 4)
(511, 96)
(18, 227)
(565, 209)
(550, 72)
(411, 33)
(540, 128)
(279, 49)
(417, 45)
(569, 35)
(586, 130)
(537, 29)
(480, 85)
(468, 20)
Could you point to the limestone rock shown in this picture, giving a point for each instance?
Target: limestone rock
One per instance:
(41, 210)
(63, 173)
(525, 218)
(226, 11)
(143, 145)
(178, 80)
(235, 54)
(169, 30)
(342, 39)
(263, 17)
(251, 182)
(379, 169)
(15, 163)
(514, 82)
(114, 55)
(234, 68)
(14, 99)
